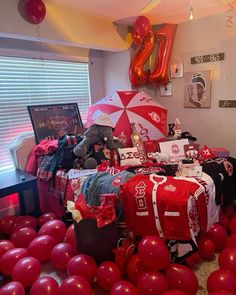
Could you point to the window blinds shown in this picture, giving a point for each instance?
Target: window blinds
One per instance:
(24, 82)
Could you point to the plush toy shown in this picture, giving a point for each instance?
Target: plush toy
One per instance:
(101, 133)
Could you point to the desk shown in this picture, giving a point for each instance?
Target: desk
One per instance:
(18, 181)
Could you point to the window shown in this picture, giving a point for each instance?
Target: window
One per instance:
(24, 82)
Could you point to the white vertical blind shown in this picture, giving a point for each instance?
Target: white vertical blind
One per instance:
(25, 82)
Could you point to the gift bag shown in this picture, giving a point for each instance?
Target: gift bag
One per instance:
(96, 233)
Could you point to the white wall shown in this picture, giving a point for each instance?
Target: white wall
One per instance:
(215, 126)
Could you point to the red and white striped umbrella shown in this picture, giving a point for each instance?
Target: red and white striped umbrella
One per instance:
(126, 107)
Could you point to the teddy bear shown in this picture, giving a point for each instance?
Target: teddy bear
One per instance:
(100, 133)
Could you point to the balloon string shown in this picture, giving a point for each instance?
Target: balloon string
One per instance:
(40, 42)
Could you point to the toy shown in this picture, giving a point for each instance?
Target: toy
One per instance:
(101, 133)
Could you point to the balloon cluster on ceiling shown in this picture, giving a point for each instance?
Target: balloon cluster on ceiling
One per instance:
(33, 11)
(145, 38)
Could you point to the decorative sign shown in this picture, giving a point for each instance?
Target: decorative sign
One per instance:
(53, 121)
(174, 150)
(227, 103)
(207, 58)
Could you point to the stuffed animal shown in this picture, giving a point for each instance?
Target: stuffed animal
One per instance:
(101, 133)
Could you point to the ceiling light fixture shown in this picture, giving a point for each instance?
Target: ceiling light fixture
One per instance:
(191, 11)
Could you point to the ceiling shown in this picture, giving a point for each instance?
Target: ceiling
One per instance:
(164, 11)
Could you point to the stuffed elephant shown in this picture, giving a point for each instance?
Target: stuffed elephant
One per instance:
(101, 132)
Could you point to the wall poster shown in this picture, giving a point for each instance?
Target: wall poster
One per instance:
(56, 120)
(197, 89)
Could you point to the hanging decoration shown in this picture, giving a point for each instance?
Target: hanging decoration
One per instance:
(144, 38)
(33, 11)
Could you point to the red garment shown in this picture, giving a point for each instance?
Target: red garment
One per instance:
(160, 205)
(45, 147)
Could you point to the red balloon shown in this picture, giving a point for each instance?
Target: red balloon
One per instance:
(221, 292)
(175, 292)
(12, 288)
(61, 254)
(153, 253)
(221, 279)
(41, 247)
(6, 224)
(46, 217)
(10, 258)
(5, 245)
(123, 287)
(142, 26)
(227, 259)
(206, 249)
(224, 220)
(26, 271)
(70, 237)
(45, 285)
(22, 237)
(232, 225)
(55, 228)
(108, 273)
(134, 268)
(82, 265)
(181, 277)
(231, 242)
(35, 11)
(75, 285)
(25, 221)
(137, 75)
(152, 283)
(218, 235)
(165, 38)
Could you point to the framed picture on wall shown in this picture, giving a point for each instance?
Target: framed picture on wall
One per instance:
(56, 120)
(166, 90)
(176, 70)
(197, 89)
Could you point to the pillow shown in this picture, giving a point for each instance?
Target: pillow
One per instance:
(129, 156)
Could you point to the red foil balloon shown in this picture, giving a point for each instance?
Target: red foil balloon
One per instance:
(5, 245)
(123, 287)
(153, 253)
(35, 11)
(13, 288)
(137, 75)
(152, 283)
(221, 279)
(45, 285)
(165, 39)
(181, 277)
(61, 254)
(82, 265)
(26, 271)
(75, 285)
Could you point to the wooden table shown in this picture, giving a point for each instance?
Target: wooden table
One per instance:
(18, 181)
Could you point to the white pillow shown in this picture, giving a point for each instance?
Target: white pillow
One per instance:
(129, 156)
